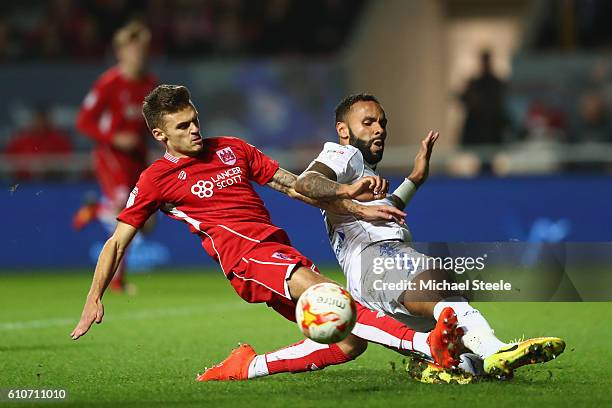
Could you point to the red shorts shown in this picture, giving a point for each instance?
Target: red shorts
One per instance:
(117, 173)
(262, 275)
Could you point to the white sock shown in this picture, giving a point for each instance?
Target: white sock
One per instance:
(258, 367)
(419, 343)
(478, 335)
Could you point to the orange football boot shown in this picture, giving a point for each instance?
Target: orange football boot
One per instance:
(233, 368)
(85, 215)
(445, 339)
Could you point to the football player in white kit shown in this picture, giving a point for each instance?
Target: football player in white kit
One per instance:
(361, 126)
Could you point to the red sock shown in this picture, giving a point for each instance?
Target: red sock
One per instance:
(377, 327)
(306, 355)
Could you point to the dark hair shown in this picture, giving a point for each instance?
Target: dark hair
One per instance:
(162, 100)
(347, 103)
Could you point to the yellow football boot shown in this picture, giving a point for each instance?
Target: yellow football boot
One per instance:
(431, 373)
(538, 350)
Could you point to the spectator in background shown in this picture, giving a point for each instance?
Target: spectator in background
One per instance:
(31, 147)
(111, 116)
(484, 99)
(544, 121)
(590, 120)
(71, 29)
(593, 124)
(539, 152)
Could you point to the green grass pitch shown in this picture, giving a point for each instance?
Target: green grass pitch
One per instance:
(150, 347)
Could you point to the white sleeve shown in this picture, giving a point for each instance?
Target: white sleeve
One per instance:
(343, 160)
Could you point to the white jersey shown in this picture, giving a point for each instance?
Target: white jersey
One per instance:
(347, 234)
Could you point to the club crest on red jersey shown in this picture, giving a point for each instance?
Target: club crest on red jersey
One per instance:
(280, 255)
(227, 156)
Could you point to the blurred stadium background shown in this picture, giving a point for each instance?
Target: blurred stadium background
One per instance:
(526, 147)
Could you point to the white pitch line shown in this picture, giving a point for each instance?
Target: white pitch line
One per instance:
(35, 324)
(136, 315)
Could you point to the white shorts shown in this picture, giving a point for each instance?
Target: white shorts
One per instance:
(386, 269)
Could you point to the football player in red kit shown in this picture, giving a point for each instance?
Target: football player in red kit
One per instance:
(206, 183)
(111, 116)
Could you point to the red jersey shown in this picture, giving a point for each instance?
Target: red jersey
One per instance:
(212, 193)
(39, 142)
(31, 142)
(113, 105)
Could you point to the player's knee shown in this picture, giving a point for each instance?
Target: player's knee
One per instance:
(303, 278)
(353, 346)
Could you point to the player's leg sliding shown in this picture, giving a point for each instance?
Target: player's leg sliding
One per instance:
(377, 327)
(478, 335)
(243, 362)
(499, 359)
(305, 355)
(441, 344)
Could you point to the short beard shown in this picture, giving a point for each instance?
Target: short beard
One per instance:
(364, 148)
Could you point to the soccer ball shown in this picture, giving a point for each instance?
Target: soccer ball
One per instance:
(326, 313)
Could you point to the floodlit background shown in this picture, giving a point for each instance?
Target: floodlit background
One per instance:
(525, 152)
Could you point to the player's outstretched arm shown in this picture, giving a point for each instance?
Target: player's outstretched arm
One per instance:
(284, 181)
(319, 182)
(108, 261)
(420, 171)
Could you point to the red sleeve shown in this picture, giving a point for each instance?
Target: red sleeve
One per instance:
(261, 167)
(94, 104)
(141, 204)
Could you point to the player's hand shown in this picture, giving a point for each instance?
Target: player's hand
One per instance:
(92, 312)
(420, 171)
(382, 213)
(125, 141)
(366, 189)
